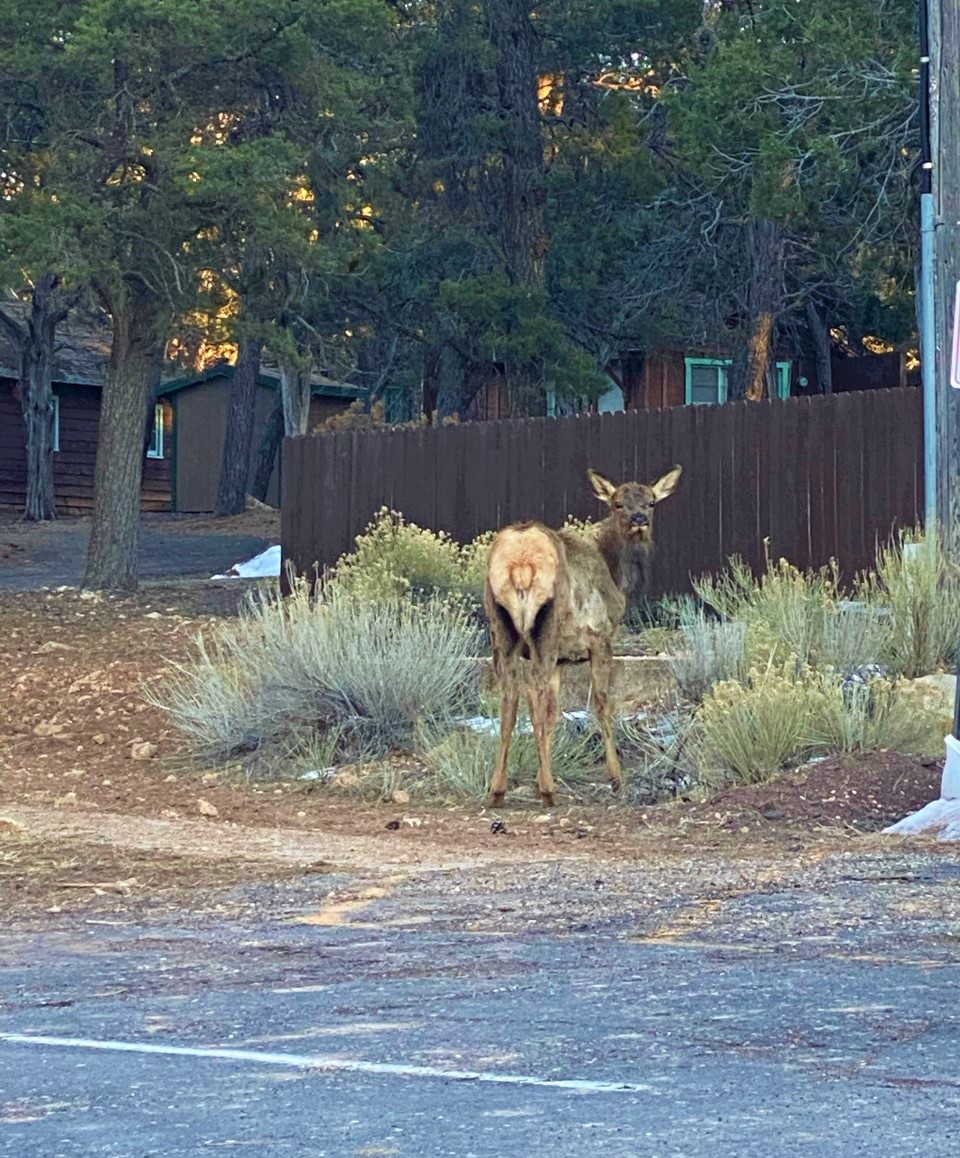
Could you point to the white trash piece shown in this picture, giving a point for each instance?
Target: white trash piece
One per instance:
(940, 818)
(266, 565)
(950, 781)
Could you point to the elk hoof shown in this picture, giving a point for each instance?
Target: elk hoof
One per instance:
(496, 799)
(615, 786)
(548, 799)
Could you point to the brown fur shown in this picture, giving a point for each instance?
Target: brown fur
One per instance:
(522, 572)
(552, 598)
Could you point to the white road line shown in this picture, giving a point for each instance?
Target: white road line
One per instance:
(342, 1065)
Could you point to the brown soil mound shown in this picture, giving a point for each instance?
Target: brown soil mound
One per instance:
(864, 792)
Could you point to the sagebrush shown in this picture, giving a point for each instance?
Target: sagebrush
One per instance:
(373, 671)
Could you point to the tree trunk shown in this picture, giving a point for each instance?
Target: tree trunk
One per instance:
(520, 205)
(235, 467)
(520, 213)
(38, 419)
(134, 355)
(295, 396)
(820, 336)
(34, 341)
(764, 298)
(270, 442)
(453, 389)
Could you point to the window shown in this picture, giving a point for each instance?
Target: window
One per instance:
(706, 380)
(155, 449)
(56, 422)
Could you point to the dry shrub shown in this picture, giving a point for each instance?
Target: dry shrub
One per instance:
(783, 714)
(920, 593)
(395, 558)
(709, 652)
(749, 731)
(372, 670)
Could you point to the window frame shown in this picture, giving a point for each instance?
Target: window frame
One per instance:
(782, 372)
(155, 449)
(56, 423)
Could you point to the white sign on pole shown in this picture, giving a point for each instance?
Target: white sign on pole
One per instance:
(955, 345)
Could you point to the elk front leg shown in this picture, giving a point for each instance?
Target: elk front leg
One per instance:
(544, 713)
(508, 720)
(601, 675)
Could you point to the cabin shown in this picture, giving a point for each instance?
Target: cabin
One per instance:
(198, 406)
(663, 378)
(181, 466)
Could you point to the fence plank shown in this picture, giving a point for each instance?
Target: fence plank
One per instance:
(850, 501)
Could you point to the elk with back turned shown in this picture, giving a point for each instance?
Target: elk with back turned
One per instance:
(553, 598)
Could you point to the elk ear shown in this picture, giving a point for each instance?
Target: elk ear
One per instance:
(666, 484)
(603, 488)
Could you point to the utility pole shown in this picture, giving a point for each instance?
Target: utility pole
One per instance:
(944, 38)
(926, 283)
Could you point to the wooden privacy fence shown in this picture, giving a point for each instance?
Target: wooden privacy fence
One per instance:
(821, 478)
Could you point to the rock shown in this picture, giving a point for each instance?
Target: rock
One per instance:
(498, 827)
(206, 808)
(412, 821)
(51, 645)
(49, 729)
(8, 824)
(392, 825)
(345, 780)
(254, 504)
(933, 695)
(565, 822)
(67, 798)
(99, 739)
(400, 796)
(545, 818)
(142, 750)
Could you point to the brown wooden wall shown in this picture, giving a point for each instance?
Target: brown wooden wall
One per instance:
(201, 423)
(822, 477)
(73, 464)
(658, 379)
(200, 430)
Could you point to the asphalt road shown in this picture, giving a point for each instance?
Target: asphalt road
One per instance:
(57, 560)
(409, 1034)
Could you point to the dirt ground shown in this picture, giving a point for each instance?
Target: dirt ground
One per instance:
(98, 799)
(261, 523)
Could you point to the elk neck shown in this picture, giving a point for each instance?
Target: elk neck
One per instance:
(624, 557)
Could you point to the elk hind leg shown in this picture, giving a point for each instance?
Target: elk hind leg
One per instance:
(601, 675)
(544, 713)
(508, 720)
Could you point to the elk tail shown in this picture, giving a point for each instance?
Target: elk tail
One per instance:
(522, 573)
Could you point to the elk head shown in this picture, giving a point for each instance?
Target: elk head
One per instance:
(631, 504)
